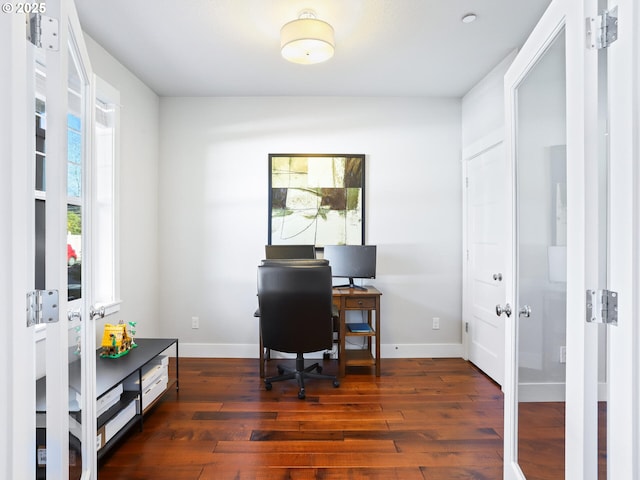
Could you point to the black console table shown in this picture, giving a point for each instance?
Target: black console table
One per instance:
(110, 373)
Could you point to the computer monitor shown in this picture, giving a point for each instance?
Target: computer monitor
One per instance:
(351, 261)
(289, 251)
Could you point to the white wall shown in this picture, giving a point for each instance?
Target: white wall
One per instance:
(213, 211)
(483, 107)
(138, 185)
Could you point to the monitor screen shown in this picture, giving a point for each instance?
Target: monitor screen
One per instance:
(351, 261)
(289, 251)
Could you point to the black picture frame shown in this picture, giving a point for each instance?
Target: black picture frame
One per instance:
(316, 199)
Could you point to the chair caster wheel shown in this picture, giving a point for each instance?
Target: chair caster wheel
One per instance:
(336, 383)
(268, 386)
(301, 394)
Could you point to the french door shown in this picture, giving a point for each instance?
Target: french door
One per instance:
(51, 389)
(571, 146)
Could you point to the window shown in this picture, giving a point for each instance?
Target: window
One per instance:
(102, 204)
(104, 208)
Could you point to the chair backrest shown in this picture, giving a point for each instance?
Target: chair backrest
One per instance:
(290, 251)
(295, 302)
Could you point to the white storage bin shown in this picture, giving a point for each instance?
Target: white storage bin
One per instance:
(114, 425)
(154, 390)
(163, 360)
(108, 400)
(150, 373)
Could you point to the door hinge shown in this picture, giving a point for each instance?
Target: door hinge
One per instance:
(602, 307)
(43, 31)
(602, 30)
(466, 327)
(42, 307)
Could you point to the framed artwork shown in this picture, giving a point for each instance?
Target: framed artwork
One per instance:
(316, 199)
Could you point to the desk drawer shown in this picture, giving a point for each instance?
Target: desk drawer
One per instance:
(365, 303)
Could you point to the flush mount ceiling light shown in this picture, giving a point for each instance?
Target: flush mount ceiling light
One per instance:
(307, 40)
(469, 17)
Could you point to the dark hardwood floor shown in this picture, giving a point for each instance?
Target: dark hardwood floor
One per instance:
(435, 419)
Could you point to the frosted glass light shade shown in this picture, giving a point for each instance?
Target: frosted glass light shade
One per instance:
(307, 41)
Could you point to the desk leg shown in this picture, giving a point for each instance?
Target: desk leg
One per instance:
(377, 336)
(177, 367)
(342, 354)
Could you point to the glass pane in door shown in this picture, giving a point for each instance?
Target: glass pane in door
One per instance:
(76, 89)
(541, 264)
(40, 257)
(603, 207)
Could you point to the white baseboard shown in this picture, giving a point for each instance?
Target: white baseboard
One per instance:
(551, 392)
(216, 350)
(219, 350)
(431, 350)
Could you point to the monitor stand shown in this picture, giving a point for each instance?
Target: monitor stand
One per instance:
(351, 285)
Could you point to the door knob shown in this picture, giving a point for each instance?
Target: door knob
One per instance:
(96, 312)
(497, 276)
(506, 310)
(525, 311)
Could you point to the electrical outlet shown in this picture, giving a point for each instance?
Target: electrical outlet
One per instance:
(563, 354)
(436, 323)
(195, 322)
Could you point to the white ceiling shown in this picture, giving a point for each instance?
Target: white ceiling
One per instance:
(383, 47)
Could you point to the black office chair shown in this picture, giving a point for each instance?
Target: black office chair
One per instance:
(296, 314)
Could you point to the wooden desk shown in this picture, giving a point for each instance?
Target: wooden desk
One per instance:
(347, 299)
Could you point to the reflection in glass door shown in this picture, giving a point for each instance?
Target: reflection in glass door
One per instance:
(541, 212)
(77, 159)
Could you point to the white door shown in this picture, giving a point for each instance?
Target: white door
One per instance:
(485, 203)
(551, 142)
(52, 365)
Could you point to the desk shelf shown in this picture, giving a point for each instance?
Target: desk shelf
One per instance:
(359, 358)
(372, 333)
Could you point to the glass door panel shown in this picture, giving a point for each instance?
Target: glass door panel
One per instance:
(602, 247)
(39, 254)
(76, 158)
(541, 213)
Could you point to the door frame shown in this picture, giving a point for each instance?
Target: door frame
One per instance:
(17, 400)
(623, 413)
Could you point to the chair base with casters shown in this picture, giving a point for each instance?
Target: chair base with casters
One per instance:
(300, 373)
